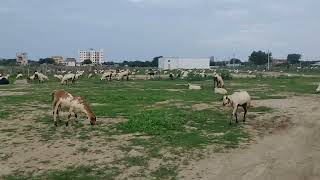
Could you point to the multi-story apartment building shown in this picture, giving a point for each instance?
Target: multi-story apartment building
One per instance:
(96, 56)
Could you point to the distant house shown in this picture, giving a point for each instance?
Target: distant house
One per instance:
(71, 62)
(57, 59)
(278, 62)
(183, 63)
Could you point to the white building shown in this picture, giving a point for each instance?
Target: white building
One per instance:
(71, 62)
(96, 56)
(22, 58)
(183, 63)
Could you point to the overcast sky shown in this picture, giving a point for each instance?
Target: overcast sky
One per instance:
(142, 29)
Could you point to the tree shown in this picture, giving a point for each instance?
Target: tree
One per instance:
(293, 58)
(155, 61)
(235, 61)
(46, 61)
(87, 61)
(8, 62)
(259, 58)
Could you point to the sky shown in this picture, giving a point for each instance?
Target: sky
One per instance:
(143, 29)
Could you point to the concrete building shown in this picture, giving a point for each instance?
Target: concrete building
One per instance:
(96, 56)
(22, 58)
(57, 59)
(71, 62)
(278, 62)
(183, 63)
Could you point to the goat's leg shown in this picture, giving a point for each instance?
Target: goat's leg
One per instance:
(69, 115)
(234, 113)
(55, 113)
(245, 112)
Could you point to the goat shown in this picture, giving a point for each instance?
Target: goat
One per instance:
(217, 80)
(194, 87)
(61, 98)
(68, 77)
(58, 76)
(238, 99)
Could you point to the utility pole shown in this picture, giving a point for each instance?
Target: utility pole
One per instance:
(268, 60)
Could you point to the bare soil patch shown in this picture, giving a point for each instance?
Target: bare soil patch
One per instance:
(288, 148)
(12, 93)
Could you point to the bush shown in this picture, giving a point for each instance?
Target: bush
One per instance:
(226, 75)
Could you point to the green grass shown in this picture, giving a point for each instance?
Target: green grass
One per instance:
(80, 172)
(4, 115)
(165, 172)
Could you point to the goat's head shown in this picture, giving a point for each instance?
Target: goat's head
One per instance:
(226, 100)
(93, 119)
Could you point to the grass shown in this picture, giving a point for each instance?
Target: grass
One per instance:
(179, 128)
(80, 172)
(165, 172)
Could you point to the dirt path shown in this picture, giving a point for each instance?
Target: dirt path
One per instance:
(289, 154)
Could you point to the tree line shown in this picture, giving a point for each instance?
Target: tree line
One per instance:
(255, 58)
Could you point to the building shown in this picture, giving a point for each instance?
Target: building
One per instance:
(71, 62)
(183, 63)
(96, 56)
(278, 62)
(57, 59)
(22, 58)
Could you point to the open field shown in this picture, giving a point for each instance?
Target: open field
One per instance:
(162, 130)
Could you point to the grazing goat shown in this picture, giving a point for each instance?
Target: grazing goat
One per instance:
(194, 87)
(58, 76)
(68, 77)
(221, 91)
(19, 76)
(318, 89)
(217, 80)
(61, 98)
(106, 75)
(149, 73)
(41, 77)
(122, 74)
(238, 99)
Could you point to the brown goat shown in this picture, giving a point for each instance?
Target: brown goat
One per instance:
(75, 104)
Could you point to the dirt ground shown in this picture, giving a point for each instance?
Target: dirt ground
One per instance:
(290, 152)
(288, 148)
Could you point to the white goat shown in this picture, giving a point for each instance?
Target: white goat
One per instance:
(217, 80)
(19, 76)
(238, 99)
(68, 77)
(318, 89)
(194, 87)
(123, 74)
(58, 76)
(221, 91)
(41, 77)
(106, 75)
